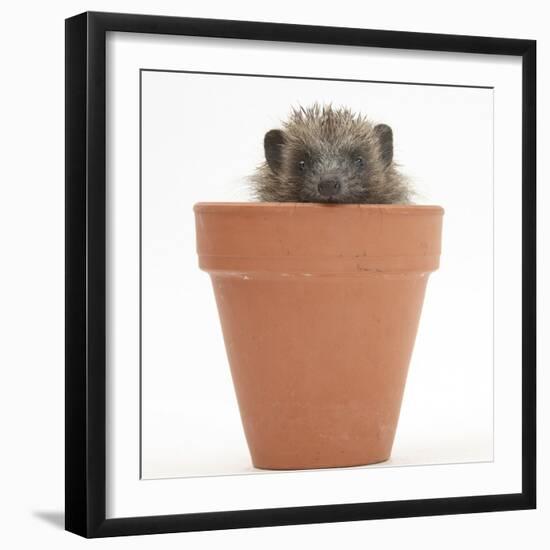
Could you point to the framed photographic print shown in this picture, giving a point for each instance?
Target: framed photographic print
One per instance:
(300, 274)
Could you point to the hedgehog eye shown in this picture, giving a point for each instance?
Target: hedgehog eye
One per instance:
(359, 162)
(302, 165)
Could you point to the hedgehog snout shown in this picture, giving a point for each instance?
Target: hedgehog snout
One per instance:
(329, 187)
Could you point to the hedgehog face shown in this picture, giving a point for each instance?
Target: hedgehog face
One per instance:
(321, 159)
(328, 172)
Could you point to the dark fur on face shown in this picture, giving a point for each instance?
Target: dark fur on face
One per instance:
(323, 154)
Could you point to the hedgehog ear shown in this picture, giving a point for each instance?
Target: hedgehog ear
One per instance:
(385, 138)
(273, 146)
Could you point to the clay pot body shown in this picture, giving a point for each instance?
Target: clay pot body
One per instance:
(319, 306)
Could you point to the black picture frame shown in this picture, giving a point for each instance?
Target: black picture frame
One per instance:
(85, 426)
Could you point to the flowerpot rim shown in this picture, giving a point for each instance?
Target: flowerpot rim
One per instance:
(317, 239)
(406, 209)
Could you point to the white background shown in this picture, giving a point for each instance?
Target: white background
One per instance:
(31, 219)
(200, 145)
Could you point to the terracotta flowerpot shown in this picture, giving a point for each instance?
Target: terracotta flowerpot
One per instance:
(319, 306)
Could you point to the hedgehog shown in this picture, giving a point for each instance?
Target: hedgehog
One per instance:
(329, 155)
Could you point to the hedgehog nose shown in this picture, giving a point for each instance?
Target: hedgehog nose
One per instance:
(328, 188)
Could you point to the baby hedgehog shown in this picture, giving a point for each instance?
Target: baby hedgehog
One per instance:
(324, 154)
